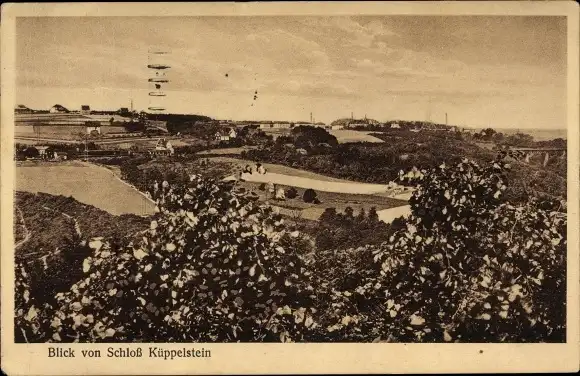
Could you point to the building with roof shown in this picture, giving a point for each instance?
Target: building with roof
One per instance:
(163, 147)
(22, 109)
(58, 109)
(85, 109)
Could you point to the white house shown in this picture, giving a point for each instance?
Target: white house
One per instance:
(395, 126)
(163, 148)
(42, 150)
(93, 128)
(226, 136)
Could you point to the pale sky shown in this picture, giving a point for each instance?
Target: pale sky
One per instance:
(507, 72)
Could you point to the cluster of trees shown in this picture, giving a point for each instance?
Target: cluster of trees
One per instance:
(142, 171)
(177, 123)
(517, 139)
(373, 162)
(382, 162)
(216, 265)
(337, 230)
(135, 126)
(402, 125)
(23, 151)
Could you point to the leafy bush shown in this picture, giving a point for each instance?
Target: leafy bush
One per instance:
(309, 195)
(291, 193)
(467, 267)
(210, 268)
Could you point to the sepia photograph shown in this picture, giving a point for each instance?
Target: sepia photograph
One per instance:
(324, 178)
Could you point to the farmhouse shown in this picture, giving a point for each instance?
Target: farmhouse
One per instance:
(226, 135)
(60, 156)
(58, 109)
(22, 109)
(162, 147)
(42, 150)
(93, 127)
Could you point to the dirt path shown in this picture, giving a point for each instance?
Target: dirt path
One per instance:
(76, 223)
(26, 232)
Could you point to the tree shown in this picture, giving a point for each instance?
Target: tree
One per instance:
(361, 215)
(31, 152)
(373, 217)
(175, 282)
(497, 269)
(134, 126)
(291, 193)
(488, 134)
(349, 213)
(309, 196)
(328, 216)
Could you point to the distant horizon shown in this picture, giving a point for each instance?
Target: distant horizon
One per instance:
(509, 71)
(304, 121)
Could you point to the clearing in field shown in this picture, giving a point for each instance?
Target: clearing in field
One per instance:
(86, 183)
(279, 169)
(388, 208)
(348, 135)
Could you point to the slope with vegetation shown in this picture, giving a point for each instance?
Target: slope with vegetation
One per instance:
(217, 265)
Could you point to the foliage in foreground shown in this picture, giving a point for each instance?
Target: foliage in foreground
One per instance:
(212, 267)
(217, 266)
(466, 267)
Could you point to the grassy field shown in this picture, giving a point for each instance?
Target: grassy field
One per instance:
(349, 135)
(279, 169)
(87, 183)
(225, 150)
(339, 201)
(342, 135)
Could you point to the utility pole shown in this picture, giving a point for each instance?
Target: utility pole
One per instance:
(446, 119)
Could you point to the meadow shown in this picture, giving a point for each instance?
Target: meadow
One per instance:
(87, 183)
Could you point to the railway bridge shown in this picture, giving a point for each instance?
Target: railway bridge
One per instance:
(548, 153)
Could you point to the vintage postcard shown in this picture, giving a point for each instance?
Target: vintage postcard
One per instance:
(313, 187)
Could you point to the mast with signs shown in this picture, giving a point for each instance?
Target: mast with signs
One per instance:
(158, 66)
